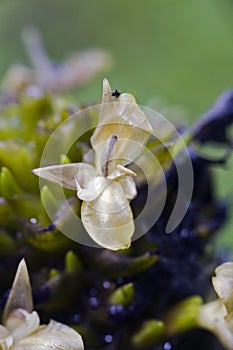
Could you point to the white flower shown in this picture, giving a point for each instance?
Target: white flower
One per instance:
(217, 316)
(107, 187)
(21, 328)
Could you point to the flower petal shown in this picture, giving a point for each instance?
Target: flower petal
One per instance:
(64, 175)
(53, 336)
(20, 296)
(93, 189)
(21, 323)
(124, 119)
(6, 339)
(109, 219)
(121, 171)
(223, 284)
(129, 187)
(212, 317)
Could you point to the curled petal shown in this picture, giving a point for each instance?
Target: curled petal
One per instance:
(109, 218)
(129, 187)
(22, 323)
(53, 336)
(93, 189)
(65, 175)
(121, 171)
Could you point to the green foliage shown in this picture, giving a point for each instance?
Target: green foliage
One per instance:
(151, 332)
(123, 295)
(184, 315)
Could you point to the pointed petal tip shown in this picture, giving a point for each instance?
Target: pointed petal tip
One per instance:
(106, 86)
(36, 171)
(22, 266)
(20, 296)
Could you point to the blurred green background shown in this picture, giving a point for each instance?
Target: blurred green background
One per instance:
(179, 51)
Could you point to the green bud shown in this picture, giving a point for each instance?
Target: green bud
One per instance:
(184, 315)
(150, 333)
(53, 273)
(123, 295)
(7, 244)
(49, 201)
(9, 186)
(64, 159)
(72, 262)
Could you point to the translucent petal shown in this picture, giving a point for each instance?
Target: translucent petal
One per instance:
(211, 317)
(6, 339)
(20, 296)
(129, 187)
(53, 336)
(107, 92)
(93, 188)
(121, 171)
(223, 284)
(22, 323)
(65, 175)
(124, 119)
(109, 219)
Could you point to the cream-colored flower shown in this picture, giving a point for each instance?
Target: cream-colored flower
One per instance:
(21, 328)
(217, 316)
(107, 187)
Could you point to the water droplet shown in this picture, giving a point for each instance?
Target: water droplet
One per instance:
(184, 233)
(106, 284)
(93, 302)
(108, 338)
(77, 318)
(167, 346)
(114, 309)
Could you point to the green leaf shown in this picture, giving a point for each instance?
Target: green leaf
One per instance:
(49, 201)
(9, 186)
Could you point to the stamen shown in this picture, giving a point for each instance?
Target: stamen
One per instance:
(105, 158)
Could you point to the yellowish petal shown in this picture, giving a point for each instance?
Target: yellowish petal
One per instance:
(121, 171)
(109, 219)
(107, 92)
(124, 119)
(92, 190)
(20, 296)
(53, 336)
(21, 323)
(223, 284)
(129, 187)
(6, 339)
(64, 175)
(212, 317)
